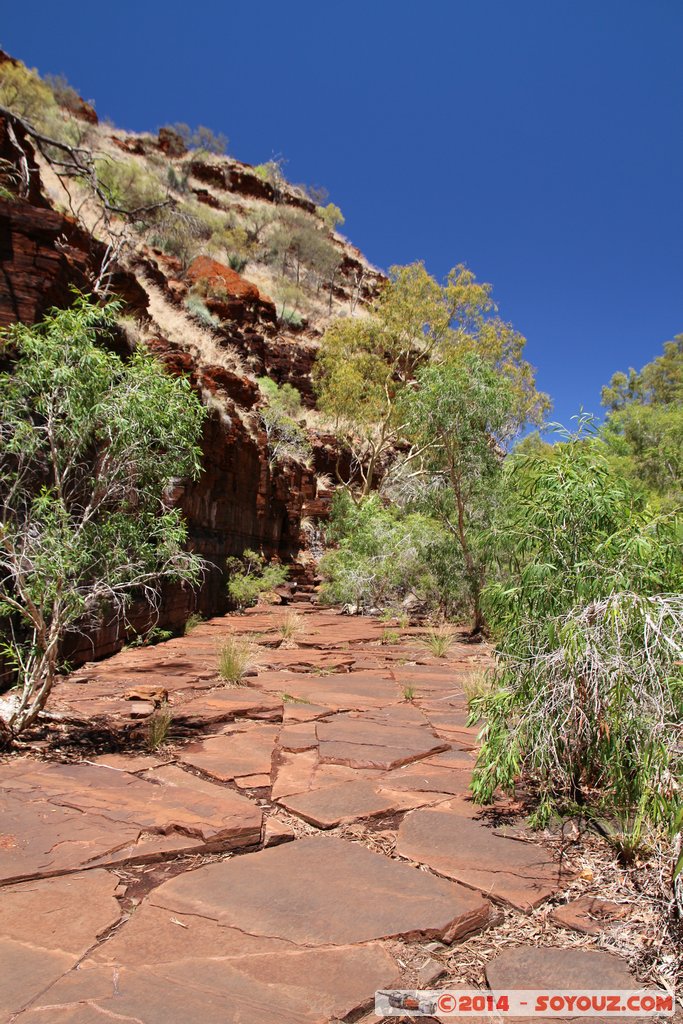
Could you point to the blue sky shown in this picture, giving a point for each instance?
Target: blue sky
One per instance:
(538, 141)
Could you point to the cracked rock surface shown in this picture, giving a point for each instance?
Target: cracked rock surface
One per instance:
(301, 837)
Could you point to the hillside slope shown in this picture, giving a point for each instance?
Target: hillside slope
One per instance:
(163, 227)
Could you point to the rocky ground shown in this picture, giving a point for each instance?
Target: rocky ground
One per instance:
(295, 843)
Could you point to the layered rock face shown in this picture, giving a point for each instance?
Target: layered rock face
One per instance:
(239, 501)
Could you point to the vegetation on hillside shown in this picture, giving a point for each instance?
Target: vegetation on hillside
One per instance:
(89, 445)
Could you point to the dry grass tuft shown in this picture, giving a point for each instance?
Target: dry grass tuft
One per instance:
(235, 656)
(439, 641)
(291, 626)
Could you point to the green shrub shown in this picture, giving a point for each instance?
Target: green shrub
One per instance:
(24, 93)
(588, 617)
(331, 215)
(383, 554)
(292, 318)
(127, 185)
(196, 307)
(237, 262)
(251, 577)
(285, 438)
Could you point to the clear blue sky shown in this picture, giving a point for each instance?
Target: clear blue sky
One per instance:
(538, 141)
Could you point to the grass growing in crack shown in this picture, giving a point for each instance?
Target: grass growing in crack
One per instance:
(288, 698)
(192, 622)
(159, 727)
(291, 626)
(409, 692)
(234, 658)
(438, 642)
(389, 636)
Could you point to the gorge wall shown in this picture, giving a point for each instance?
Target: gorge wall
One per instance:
(240, 500)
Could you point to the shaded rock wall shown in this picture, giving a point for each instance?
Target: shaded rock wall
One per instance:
(238, 501)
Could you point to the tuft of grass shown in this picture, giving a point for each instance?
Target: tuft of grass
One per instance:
(409, 692)
(234, 658)
(158, 727)
(477, 684)
(291, 626)
(404, 620)
(192, 621)
(288, 698)
(438, 642)
(389, 636)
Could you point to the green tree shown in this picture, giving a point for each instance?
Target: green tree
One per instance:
(90, 446)
(365, 363)
(331, 215)
(644, 426)
(459, 416)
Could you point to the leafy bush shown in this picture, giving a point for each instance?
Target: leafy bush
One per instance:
(237, 262)
(383, 554)
(201, 138)
(285, 438)
(644, 425)
(588, 617)
(331, 215)
(25, 94)
(127, 185)
(293, 318)
(251, 577)
(88, 446)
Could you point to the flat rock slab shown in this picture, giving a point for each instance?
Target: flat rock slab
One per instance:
(58, 818)
(45, 928)
(338, 805)
(223, 705)
(297, 986)
(507, 870)
(233, 755)
(589, 914)
(322, 891)
(336, 692)
(548, 967)
(361, 741)
(302, 771)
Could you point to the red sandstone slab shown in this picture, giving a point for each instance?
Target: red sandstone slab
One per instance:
(428, 778)
(507, 870)
(298, 737)
(565, 970)
(589, 914)
(374, 742)
(45, 928)
(222, 705)
(337, 805)
(58, 818)
(301, 772)
(319, 891)
(335, 692)
(284, 987)
(231, 755)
